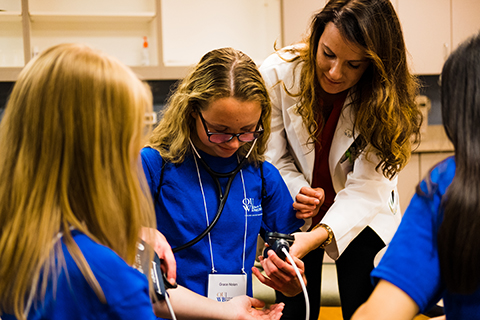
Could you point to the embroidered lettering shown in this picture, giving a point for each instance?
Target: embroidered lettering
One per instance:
(249, 205)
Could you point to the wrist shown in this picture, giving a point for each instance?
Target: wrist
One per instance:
(327, 234)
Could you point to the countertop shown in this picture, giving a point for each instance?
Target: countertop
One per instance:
(434, 139)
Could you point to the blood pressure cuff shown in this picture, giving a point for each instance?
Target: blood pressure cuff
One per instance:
(142, 264)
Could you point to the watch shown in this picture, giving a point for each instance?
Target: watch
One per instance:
(330, 234)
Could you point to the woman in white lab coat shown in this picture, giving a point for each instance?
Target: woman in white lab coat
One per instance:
(342, 122)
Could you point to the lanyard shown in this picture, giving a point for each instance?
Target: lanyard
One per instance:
(208, 222)
(222, 196)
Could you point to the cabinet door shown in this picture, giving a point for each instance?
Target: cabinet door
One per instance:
(415, 171)
(115, 27)
(465, 20)
(297, 15)
(428, 160)
(191, 28)
(427, 31)
(11, 37)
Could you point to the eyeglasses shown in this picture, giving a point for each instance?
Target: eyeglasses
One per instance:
(217, 137)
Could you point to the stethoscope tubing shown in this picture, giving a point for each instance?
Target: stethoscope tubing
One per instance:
(222, 196)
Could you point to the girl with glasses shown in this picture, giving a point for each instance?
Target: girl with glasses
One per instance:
(205, 157)
(72, 201)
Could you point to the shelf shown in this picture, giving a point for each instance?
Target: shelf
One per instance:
(9, 74)
(434, 140)
(9, 16)
(120, 35)
(88, 7)
(160, 73)
(11, 40)
(92, 17)
(144, 73)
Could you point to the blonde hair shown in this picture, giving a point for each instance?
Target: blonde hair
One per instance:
(384, 106)
(69, 139)
(220, 73)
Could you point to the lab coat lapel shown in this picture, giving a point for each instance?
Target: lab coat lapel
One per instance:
(305, 152)
(342, 138)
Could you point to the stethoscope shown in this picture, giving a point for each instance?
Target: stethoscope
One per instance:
(222, 196)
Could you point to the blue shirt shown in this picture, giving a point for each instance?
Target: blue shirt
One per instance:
(180, 210)
(125, 289)
(411, 262)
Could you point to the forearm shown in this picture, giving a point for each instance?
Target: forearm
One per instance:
(387, 302)
(308, 241)
(189, 305)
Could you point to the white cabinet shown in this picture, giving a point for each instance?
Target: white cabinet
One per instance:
(179, 32)
(11, 36)
(465, 20)
(297, 15)
(191, 28)
(115, 27)
(433, 28)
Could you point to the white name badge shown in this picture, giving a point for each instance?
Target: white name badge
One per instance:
(224, 287)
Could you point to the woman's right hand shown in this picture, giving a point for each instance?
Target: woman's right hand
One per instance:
(308, 201)
(280, 275)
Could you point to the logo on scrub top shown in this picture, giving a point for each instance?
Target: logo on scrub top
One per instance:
(223, 297)
(250, 207)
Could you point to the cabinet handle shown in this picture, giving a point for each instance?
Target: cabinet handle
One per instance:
(446, 51)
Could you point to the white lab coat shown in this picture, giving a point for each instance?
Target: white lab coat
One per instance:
(364, 196)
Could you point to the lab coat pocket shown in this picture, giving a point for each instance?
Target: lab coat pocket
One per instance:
(394, 202)
(346, 166)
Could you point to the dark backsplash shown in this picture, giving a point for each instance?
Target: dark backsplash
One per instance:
(430, 87)
(161, 90)
(5, 89)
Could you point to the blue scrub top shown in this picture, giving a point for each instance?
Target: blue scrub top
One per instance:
(411, 261)
(180, 210)
(125, 289)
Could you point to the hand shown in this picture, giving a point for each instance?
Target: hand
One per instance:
(247, 309)
(307, 241)
(160, 244)
(308, 201)
(190, 305)
(281, 275)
